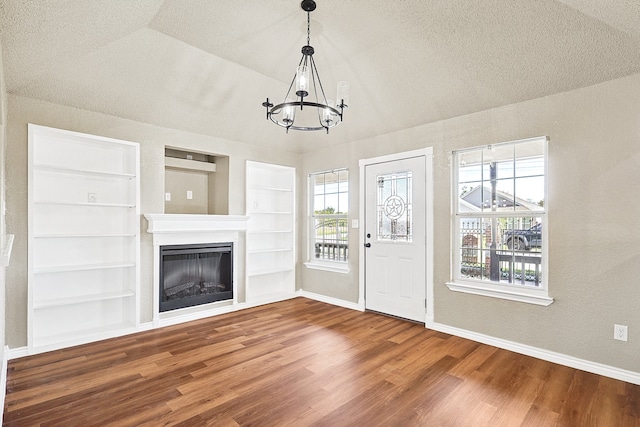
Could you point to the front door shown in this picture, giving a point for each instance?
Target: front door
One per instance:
(395, 260)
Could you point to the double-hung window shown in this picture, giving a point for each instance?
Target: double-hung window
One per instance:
(328, 230)
(499, 221)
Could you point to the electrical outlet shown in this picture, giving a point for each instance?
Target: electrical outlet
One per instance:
(620, 332)
(92, 197)
(189, 194)
(167, 197)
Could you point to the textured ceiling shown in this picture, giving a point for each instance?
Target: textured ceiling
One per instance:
(206, 66)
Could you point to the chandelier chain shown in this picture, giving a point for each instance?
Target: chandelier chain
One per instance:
(308, 28)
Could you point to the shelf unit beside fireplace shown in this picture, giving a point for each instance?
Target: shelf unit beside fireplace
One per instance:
(83, 238)
(270, 231)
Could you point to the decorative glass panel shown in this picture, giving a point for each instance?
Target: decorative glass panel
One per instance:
(394, 207)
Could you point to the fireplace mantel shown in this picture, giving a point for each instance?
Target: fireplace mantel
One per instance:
(179, 229)
(184, 223)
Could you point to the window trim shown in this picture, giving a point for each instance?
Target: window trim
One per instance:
(335, 266)
(537, 296)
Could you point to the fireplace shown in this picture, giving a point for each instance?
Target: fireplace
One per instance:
(188, 229)
(195, 274)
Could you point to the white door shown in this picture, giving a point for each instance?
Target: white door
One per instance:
(394, 232)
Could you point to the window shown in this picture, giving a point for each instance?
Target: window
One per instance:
(500, 213)
(328, 228)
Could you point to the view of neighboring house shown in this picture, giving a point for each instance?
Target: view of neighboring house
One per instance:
(476, 235)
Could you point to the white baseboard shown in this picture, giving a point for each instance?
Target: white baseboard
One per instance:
(16, 353)
(3, 380)
(331, 300)
(539, 353)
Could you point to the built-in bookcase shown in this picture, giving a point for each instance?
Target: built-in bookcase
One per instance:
(270, 231)
(84, 226)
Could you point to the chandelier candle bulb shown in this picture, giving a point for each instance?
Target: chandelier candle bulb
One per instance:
(343, 94)
(327, 114)
(302, 81)
(289, 112)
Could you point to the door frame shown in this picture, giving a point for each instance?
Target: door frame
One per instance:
(428, 156)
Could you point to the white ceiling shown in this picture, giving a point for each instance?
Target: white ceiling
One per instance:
(206, 66)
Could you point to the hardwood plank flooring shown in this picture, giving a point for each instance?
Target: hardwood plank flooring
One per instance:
(305, 363)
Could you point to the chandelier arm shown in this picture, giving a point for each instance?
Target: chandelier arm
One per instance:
(277, 108)
(318, 104)
(290, 86)
(315, 69)
(290, 124)
(293, 81)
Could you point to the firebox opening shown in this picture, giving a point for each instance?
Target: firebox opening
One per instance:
(198, 274)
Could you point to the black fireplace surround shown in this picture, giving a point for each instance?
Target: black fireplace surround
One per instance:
(197, 274)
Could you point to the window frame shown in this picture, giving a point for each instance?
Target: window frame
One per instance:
(334, 265)
(538, 295)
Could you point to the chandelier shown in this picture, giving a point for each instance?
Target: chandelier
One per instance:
(316, 112)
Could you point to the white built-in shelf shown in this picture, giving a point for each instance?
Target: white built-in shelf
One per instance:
(269, 213)
(196, 165)
(282, 189)
(54, 341)
(266, 251)
(80, 236)
(84, 238)
(61, 302)
(86, 204)
(269, 271)
(270, 236)
(82, 267)
(72, 171)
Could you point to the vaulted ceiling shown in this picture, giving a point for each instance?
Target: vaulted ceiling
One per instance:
(205, 66)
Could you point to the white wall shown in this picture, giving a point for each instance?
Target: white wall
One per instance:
(3, 131)
(153, 140)
(594, 230)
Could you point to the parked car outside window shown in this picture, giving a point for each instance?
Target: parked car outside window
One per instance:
(524, 240)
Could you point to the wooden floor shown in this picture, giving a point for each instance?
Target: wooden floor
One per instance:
(306, 363)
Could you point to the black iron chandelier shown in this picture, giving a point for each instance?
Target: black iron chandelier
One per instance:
(320, 113)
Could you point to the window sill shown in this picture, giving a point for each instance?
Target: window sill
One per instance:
(334, 267)
(508, 294)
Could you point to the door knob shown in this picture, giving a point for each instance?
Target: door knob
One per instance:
(367, 245)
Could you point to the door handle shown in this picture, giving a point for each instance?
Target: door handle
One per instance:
(367, 245)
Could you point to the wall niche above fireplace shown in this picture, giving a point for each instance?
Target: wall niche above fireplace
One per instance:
(196, 182)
